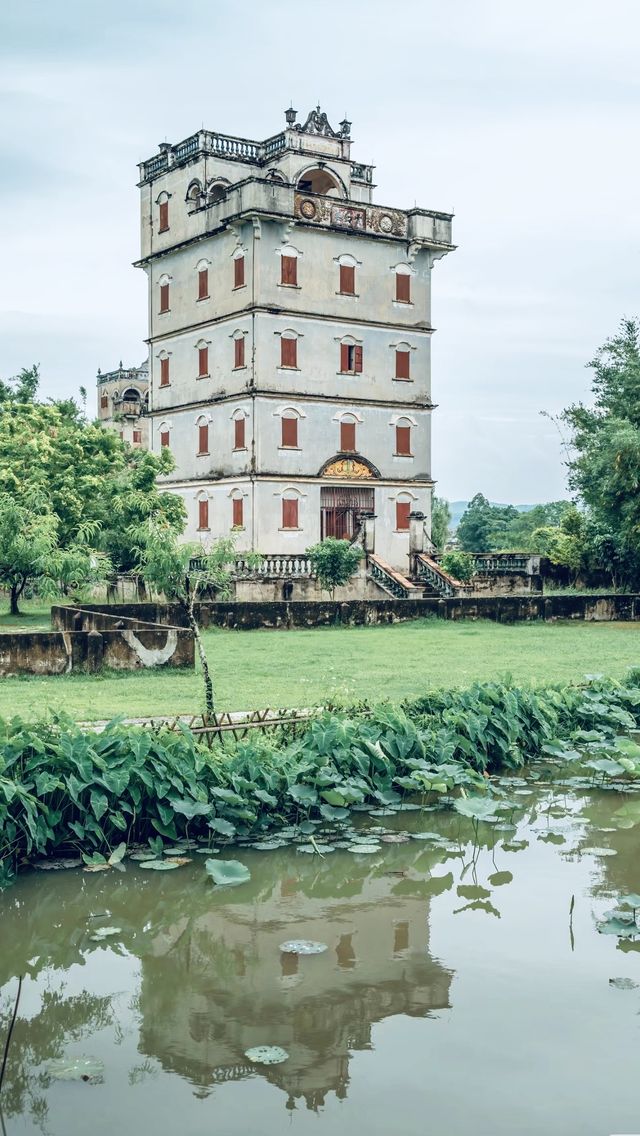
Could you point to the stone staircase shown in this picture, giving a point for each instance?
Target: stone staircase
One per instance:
(427, 579)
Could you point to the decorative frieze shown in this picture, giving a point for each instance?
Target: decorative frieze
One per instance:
(347, 215)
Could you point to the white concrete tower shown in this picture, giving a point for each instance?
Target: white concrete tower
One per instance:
(289, 338)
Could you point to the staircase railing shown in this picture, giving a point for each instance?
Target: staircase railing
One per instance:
(426, 569)
(393, 582)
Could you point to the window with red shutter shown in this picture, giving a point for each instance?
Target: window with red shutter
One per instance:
(289, 270)
(203, 284)
(163, 216)
(238, 521)
(403, 508)
(402, 364)
(137, 437)
(403, 288)
(203, 362)
(164, 372)
(290, 432)
(238, 441)
(403, 440)
(203, 439)
(238, 347)
(347, 436)
(357, 362)
(238, 272)
(104, 402)
(347, 279)
(288, 352)
(203, 514)
(345, 350)
(290, 513)
(164, 437)
(164, 297)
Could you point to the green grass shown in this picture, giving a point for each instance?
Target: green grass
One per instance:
(300, 668)
(34, 616)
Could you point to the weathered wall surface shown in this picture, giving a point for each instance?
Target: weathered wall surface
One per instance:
(87, 641)
(506, 585)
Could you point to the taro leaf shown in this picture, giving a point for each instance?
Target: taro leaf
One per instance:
(118, 854)
(228, 873)
(623, 983)
(76, 1069)
(224, 827)
(99, 804)
(266, 1055)
(329, 812)
(306, 827)
(480, 808)
(303, 947)
(307, 795)
(265, 797)
(94, 860)
(472, 891)
(159, 865)
(333, 797)
(387, 797)
(105, 933)
(499, 878)
(605, 765)
(190, 809)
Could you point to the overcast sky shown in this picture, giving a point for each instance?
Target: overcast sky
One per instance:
(520, 117)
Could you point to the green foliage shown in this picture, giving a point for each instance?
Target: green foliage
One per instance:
(499, 528)
(440, 521)
(68, 790)
(458, 564)
(604, 468)
(333, 562)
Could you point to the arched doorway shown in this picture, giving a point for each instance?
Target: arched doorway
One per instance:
(342, 506)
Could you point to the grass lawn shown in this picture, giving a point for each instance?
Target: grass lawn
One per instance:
(300, 668)
(34, 616)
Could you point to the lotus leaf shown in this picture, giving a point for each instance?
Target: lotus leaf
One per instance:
(364, 849)
(159, 865)
(101, 933)
(480, 808)
(224, 827)
(317, 848)
(76, 1069)
(228, 873)
(303, 947)
(600, 851)
(266, 1055)
(514, 845)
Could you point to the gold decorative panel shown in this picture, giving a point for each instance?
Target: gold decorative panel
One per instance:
(347, 467)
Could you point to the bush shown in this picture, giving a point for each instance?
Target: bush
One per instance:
(459, 565)
(334, 562)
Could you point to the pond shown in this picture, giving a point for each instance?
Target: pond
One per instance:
(465, 987)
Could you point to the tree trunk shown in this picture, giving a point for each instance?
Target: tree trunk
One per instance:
(15, 592)
(206, 674)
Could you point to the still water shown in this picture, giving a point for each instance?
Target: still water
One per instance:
(457, 995)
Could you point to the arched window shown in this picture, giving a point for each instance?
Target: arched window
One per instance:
(165, 377)
(351, 359)
(237, 509)
(239, 419)
(202, 426)
(216, 191)
(402, 361)
(403, 437)
(289, 266)
(202, 268)
(164, 282)
(165, 434)
(162, 202)
(238, 268)
(289, 429)
(194, 193)
(202, 505)
(289, 349)
(320, 181)
(202, 347)
(291, 509)
(239, 356)
(347, 275)
(403, 275)
(404, 505)
(348, 424)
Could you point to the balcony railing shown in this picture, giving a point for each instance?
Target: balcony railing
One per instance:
(279, 567)
(210, 142)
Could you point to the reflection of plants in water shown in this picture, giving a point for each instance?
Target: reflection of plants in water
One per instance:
(42, 1037)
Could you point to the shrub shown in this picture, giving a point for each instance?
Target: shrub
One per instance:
(459, 565)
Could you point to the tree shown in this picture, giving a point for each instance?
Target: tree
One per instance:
(30, 552)
(182, 572)
(458, 564)
(440, 521)
(604, 469)
(475, 531)
(333, 562)
(22, 387)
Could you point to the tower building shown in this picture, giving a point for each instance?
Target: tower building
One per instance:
(289, 338)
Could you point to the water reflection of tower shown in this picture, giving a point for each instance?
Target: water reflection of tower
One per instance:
(217, 984)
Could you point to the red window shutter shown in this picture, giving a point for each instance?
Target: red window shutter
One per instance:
(164, 297)
(164, 216)
(203, 362)
(238, 442)
(344, 356)
(203, 514)
(288, 352)
(403, 288)
(403, 439)
(289, 431)
(290, 514)
(164, 372)
(402, 365)
(347, 436)
(137, 437)
(203, 439)
(164, 437)
(238, 522)
(403, 508)
(238, 345)
(288, 270)
(347, 279)
(104, 402)
(238, 272)
(203, 283)
(358, 360)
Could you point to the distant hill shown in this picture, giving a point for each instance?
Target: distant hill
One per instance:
(458, 508)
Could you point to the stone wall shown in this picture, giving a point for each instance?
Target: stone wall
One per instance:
(85, 640)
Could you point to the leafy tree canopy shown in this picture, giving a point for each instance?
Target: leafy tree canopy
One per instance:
(440, 521)
(333, 562)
